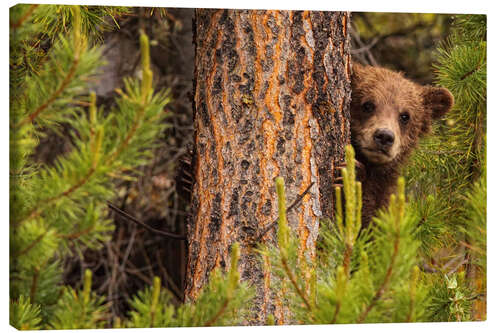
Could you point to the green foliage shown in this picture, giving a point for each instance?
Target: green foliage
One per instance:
(79, 309)
(453, 157)
(41, 283)
(473, 224)
(462, 69)
(450, 195)
(24, 315)
(60, 209)
(370, 278)
(431, 224)
(373, 275)
(94, 19)
(450, 298)
(470, 28)
(151, 307)
(223, 301)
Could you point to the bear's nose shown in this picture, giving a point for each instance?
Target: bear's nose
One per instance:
(384, 137)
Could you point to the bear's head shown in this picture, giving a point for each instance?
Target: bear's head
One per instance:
(389, 113)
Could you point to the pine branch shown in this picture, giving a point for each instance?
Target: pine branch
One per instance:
(219, 313)
(26, 15)
(42, 206)
(396, 209)
(385, 282)
(155, 296)
(342, 279)
(67, 80)
(293, 280)
(34, 284)
(232, 284)
(472, 71)
(78, 234)
(336, 313)
(79, 49)
(347, 258)
(29, 247)
(129, 136)
(413, 287)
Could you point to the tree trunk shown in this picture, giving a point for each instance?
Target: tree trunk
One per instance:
(272, 93)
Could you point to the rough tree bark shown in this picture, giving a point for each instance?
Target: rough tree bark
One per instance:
(271, 98)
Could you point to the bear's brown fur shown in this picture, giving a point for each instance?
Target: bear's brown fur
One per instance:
(389, 114)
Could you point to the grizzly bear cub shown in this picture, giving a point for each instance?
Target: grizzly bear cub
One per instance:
(389, 113)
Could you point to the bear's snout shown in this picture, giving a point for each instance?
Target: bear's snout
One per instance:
(384, 138)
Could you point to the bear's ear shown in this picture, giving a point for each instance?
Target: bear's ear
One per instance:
(356, 67)
(357, 70)
(438, 101)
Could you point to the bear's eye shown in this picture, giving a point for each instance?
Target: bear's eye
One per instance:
(368, 107)
(404, 117)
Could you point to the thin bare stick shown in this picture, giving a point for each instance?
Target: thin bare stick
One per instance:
(133, 219)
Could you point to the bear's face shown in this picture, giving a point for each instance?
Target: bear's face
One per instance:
(389, 113)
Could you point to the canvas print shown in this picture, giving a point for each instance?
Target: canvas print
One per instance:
(178, 167)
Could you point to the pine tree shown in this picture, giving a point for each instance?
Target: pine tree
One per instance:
(61, 209)
(450, 193)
